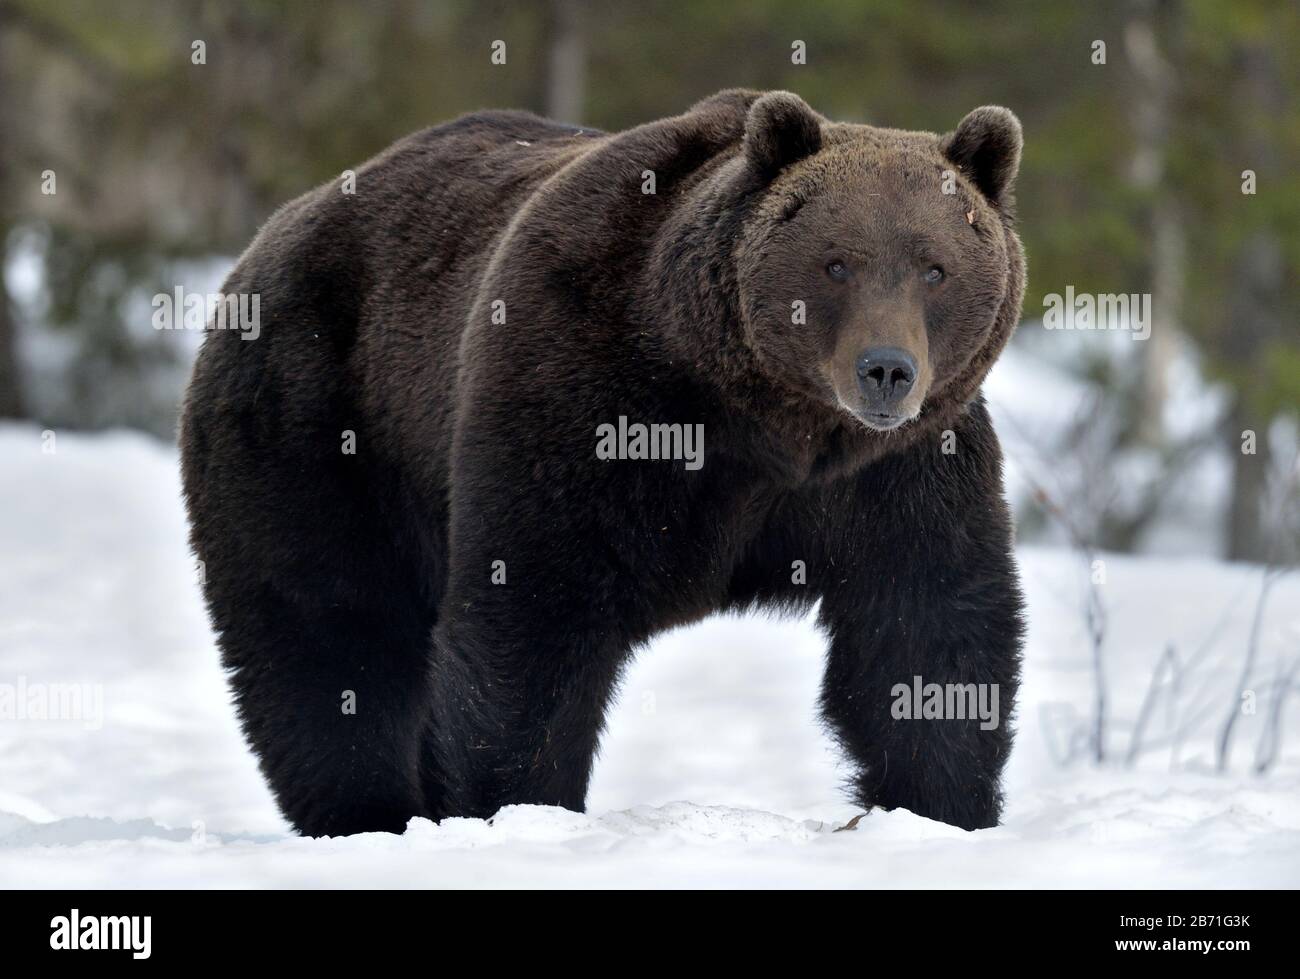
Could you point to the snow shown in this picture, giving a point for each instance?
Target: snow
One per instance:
(714, 771)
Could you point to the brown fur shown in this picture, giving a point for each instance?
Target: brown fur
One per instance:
(372, 573)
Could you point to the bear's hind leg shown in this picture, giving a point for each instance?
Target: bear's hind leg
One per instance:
(515, 722)
(332, 701)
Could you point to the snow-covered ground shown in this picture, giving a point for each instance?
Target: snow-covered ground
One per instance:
(714, 771)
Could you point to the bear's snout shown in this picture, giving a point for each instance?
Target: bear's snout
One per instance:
(885, 376)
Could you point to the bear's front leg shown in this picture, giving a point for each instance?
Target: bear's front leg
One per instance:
(923, 609)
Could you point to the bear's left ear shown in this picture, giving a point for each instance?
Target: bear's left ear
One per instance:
(986, 146)
(780, 129)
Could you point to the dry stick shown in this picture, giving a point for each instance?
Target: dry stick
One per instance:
(1252, 648)
(1167, 659)
(1198, 705)
(1201, 705)
(1176, 728)
(1273, 570)
(1097, 635)
(1171, 717)
(1266, 751)
(1195, 717)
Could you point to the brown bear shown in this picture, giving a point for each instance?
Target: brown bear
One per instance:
(533, 394)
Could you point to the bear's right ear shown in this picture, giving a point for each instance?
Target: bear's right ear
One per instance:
(780, 129)
(986, 145)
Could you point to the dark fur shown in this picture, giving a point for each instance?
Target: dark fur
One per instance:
(371, 572)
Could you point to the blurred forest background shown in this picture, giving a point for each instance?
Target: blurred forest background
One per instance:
(1132, 182)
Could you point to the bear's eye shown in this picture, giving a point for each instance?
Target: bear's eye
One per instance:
(837, 270)
(933, 275)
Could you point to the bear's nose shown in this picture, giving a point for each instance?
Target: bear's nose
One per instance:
(885, 375)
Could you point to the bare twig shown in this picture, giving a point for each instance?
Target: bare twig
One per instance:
(1168, 663)
(1266, 751)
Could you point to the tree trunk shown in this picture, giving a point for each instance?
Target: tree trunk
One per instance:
(1254, 301)
(11, 399)
(566, 75)
(1154, 24)
(1244, 537)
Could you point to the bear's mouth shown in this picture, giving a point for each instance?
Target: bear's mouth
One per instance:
(883, 421)
(877, 421)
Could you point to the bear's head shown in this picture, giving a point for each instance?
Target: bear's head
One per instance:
(878, 271)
